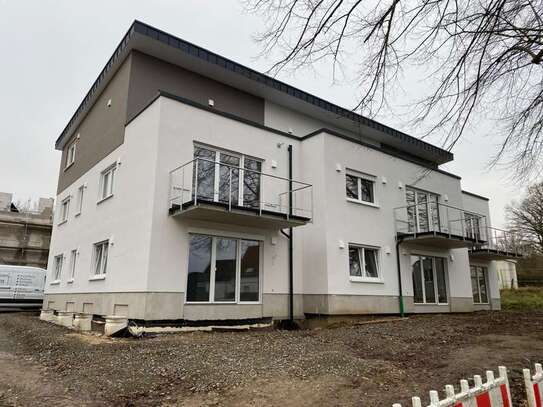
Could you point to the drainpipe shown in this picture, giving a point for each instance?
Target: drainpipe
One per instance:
(290, 242)
(400, 297)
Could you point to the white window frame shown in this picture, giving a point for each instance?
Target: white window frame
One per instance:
(238, 271)
(106, 194)
(485, 276)
(362, 258)
(70, 154)
(64, 210)
(80, 196)
(58, 262)
(103, 265)
(73, 263)
(216, 182)
(434, 272)
(359, 177)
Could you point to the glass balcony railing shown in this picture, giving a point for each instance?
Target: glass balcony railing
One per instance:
(206, 182)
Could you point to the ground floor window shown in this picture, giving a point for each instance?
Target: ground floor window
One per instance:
(223, 269)
(363, 262)
(429, 280)
(478, 284)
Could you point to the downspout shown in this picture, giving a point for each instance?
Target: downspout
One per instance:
(400, 297)
(290, 242)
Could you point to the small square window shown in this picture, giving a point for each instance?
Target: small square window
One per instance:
(360, 189)
(100, 258)
(363, 262)
(107, 181)
(70, 154)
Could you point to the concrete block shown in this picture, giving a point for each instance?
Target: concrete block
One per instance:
(65, 318)
(114, 324)
(82, 322)
(47, 315)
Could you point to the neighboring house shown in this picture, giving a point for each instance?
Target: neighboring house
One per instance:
(507, 274)
(25, 234)
(184, 174)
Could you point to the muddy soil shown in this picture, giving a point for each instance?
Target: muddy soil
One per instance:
(347, 365)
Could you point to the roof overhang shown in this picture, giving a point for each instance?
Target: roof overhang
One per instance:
(164, 46)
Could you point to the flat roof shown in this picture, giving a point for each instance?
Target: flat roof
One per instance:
(152, 41)
(475, 195)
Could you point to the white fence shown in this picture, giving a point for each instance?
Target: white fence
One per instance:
(534, 386)
(493, 393)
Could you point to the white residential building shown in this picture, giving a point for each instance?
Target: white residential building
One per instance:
(194, 188)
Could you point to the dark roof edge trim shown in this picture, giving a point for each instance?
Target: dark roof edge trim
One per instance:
(279, 132)
(118, 50)
(475, 195)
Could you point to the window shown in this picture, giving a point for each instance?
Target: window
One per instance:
(478, 284)
(73, 260)
(228, 178)
(64, 210)
(363, 262)
(223, 269)
(472, 226)
(79, 203)
(70, 154)
(100, 258)
(107, 180)
(359, 189)
(429, 280)
(422, 211)
(57, 270)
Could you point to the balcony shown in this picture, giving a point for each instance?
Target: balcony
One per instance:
(207, 190)
(499, 245)
(438, 225)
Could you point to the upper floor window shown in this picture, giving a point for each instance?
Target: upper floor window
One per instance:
(422, 211)
(79, 203)
(472, 224)
(226, 177)
(363, 262)
(107, 181)
(70, 154)
(57, 267)
(359, 188)
(478, 284)
(64, 210)
(100, 258)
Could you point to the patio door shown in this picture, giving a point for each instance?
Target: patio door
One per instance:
(422, 211)
(226, 177)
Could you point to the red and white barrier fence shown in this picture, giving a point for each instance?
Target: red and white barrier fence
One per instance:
(534, 386)
(493, 393)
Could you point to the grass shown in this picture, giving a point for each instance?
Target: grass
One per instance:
(526, 298)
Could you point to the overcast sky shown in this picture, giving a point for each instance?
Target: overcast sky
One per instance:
(52, 51)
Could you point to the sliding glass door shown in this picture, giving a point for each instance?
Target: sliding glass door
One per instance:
(422, 211)
(223, 270)
(429, 280)
(227, 178)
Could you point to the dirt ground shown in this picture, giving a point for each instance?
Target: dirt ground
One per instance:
(347, 365)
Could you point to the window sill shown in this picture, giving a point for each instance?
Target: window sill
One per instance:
(373, 205)
(56, 282)
(375, 280)
(62, 222)
(222, 303)
(104, 199)
(444, 304)
(98, 277)
(68, 166)
(70, 281)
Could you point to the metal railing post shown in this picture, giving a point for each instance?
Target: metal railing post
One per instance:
(261, 191)
(462, 219)
(229, 188)
(196, 183)
(182, 188)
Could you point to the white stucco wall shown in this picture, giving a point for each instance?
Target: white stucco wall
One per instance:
(125, 218)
